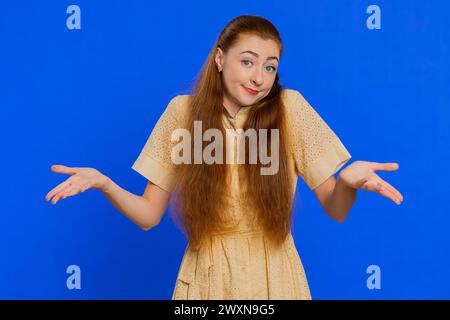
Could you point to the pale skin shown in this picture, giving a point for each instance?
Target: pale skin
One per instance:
(255, 69)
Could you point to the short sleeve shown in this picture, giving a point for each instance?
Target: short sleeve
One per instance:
(154, 161)
(317, 151)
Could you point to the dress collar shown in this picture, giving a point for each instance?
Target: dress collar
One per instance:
(242, 111)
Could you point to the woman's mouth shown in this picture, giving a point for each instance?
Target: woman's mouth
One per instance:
(251, 91)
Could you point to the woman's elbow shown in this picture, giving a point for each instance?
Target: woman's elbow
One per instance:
(337, 217)
(148, 227)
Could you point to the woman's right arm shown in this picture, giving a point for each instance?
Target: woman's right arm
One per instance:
(146, 211)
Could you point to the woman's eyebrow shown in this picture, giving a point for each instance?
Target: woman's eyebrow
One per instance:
(257, 55)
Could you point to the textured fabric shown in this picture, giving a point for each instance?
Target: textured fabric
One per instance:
(154, 161)
(318, 152)
(239, 262)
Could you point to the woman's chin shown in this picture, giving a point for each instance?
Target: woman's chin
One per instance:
(248, 100)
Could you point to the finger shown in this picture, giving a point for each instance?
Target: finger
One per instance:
(379, 188)
(58, 188)
(60, 194)
(85, 187)
(64, 169)
(74, 190)
(394, 191)
(370, 185)
(389, 194)
(386, 185)
(71, 191)
(77, 189)
(387, 166)
(360, 184)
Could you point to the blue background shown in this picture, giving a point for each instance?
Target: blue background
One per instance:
(91, 97)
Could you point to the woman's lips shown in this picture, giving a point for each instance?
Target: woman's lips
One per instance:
(250, 90)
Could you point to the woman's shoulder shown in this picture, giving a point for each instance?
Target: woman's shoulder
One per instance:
(297, 108)
(178, 105)
(179, 100)
(293, 101)
(182, 98)
(289, 92)
(291, 96)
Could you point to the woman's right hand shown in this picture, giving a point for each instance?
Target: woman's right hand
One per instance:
(80, 180)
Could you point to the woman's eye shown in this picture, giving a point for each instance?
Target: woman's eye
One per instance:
(248, 63)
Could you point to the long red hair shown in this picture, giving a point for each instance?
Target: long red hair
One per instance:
(200, 196)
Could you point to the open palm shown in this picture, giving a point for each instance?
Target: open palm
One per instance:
(361, 175)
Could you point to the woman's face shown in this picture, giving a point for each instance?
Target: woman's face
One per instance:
(251, 63)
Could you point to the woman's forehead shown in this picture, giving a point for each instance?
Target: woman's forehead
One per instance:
(254, 44)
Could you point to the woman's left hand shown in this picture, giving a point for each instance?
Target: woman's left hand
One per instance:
(361, 175)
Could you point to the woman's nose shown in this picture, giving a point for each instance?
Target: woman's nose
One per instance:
(258, 77)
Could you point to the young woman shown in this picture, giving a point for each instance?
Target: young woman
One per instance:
(237, 219)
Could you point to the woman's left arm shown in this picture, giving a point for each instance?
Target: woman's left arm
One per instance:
(337, 197)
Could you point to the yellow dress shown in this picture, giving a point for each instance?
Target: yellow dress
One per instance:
(239, 262)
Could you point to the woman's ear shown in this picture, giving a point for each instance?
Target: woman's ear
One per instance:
(218, 59)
